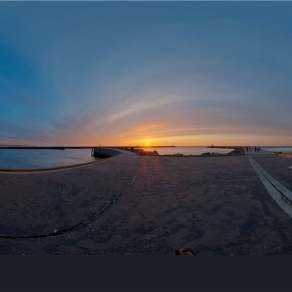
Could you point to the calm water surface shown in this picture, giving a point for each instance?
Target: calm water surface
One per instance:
(201, 150)
(286, 149)
(187, 150)
(43, 158)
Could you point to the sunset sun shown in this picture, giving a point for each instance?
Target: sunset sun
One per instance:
(146, 142)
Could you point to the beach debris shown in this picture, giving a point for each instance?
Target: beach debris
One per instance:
(184, 252)
(146, 152)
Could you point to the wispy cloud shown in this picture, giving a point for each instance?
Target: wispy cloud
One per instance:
(96, 74)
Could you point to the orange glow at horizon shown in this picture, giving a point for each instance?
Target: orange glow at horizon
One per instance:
(146, 142)
(209, 139)
(162, 133)
(185, 140)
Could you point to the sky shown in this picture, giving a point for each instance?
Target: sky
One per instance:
(193, 73)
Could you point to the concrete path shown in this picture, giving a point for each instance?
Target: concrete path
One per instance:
(281, 195)
(143, 205)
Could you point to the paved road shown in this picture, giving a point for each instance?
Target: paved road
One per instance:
(143, 205)
(278, 167)
(280, 193)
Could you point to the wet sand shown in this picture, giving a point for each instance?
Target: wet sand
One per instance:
(131, 204)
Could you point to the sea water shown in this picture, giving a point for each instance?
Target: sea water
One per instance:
(186, 150)
(285, 149)
(42, 158)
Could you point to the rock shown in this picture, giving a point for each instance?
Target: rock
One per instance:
(146, 153)
(104, 152)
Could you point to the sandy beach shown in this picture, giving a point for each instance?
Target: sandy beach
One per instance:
(130, 204)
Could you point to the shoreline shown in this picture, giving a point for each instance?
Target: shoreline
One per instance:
(46, 169)
(136, 205)
(98, 154)
(234, 152)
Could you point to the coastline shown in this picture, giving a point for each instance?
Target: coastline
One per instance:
(46, 169)
(132, 204)
(99, 155)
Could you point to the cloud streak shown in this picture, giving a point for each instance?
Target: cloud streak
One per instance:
(178, 73)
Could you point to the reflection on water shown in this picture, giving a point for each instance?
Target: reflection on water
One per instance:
(187, 150)
(42, 158)
(285, 149)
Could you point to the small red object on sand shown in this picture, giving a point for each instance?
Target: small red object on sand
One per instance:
(184, 252)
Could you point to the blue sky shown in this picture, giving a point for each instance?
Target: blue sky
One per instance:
(126, 73)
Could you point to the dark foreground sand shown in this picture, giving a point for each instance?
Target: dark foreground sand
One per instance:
(130, 204)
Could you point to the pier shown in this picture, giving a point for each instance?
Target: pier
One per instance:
(131, 204)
